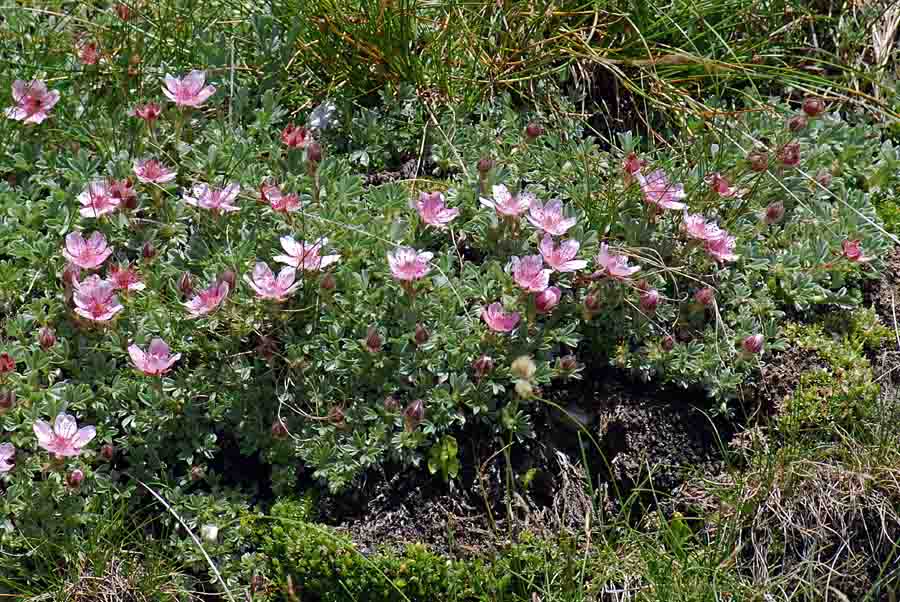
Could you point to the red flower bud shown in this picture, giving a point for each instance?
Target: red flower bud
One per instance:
(705, 296)
(123, 11)
(482, 366)
(668, 343)
(7, 364)
(485, 164)
(774, 213)
(796, 123)
(753, 343)
(790, 154)
(649, 300)
(46, 338)
(75, 478)
(7, 400)
(547, 299)
(373, 340)
(414, 414)
(314, 152)
(421, 335)
(230, 277)
(632, 165)
(534, 130)
(148, 252)
(295, 137)
(108, 452)
(186, 285)
(279, 430)
(813, 106)
(592, 302)
(759, 160)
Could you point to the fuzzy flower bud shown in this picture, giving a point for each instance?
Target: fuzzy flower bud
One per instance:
(823, 177)
(186, 285)
(753, 344)
(230, 277)
(547, 299)
(148, 251)
(567, 363)
(70, 275)
(75, 478)
(314, 152)
(482, 366)
(209, 533)
(7, 364)
(391, 404)
(774, 213)
(523, 367)
(414, 414)
(46, 338)
(198, 473)
(328, 282)
(705, 296)
(336, 416)
(421, 335)
(7, 400)
(592, 302)
(790, 154)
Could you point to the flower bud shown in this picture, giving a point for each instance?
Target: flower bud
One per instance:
(257, 582)
(70, 275)
(774, 213)
(705, 296)
(391, 404)
(414, 414)
(851, 250)
(547, 299)
(668, 343)
(753, 343)
(824, 177)
(373, 340)
(229, 276)
(534, 130)
(592, 302)
(483, 366)
(328, 282)
(266, 347)
(314, 152)
(649, 300)
(524, 389)
(75, 478)
(790, 154)
(279, 430)
(567, 363)
(632, 165)
(796, 123)
(813, 106)
(198, 473)
(523, 367)
(148, 252)
(186, 285)
(108, 452)
(7, 400)
(421, 335)
(7, 364)
(123, 11)
(336, 416)
(485, 164)
(759, 160)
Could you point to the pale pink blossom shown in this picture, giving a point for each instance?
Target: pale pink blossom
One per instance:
(97, 199)
(408, 264)
(268, 286)
(87, 254)
(214, 199)
(659, 192)
(852, 251)
(561, 257)
(506, 204)
(305, 256)
(721, 186)
(152, 171)
(7, 453)
(188, 91)
(64, 439)
(125, 278)
(549, 218)
(95, 299)
(529, 274)
(149, 112)
(33, 101)
(497, 319)
(433, 211)
(208, 300)
(156, 361)
(546, 300)
(696, 227)
(613, 265)
(722, 248)
(277, 200)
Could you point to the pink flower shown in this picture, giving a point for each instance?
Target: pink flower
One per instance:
(852, 251)
(156, 361)
(528, 273)
(720, 185)
(547, 299)
(188, 91)
(722, 248)
(659, 192)
(408, 264)
(561, 257)
(278, 201)
(498, 320)
(433, 211)
(33, 101)
(549, 218)
(615, 266)
(506, 204)
(295, 137)
(89, 53)
(214, 199)
(152, 171)
(7, 453)
(65, 439)
(267, 286)
(95, 299)
(87, 254)
(208, 300)
(305, 256)
(125, 278)
(696, 227)
(149, 112)
(97, 200)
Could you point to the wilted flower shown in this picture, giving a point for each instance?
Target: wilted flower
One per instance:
(852, 251)
(96, 200)
(373, 341)
(277, 200)
(523, 367)
(615, 266)
(813, 106)
(208, 300)
(659, 192)
(149, 112)
(295, 136)
(482, 366)
(214, 199)
(529, 274)
(759, 160)
(304, 256)
(632, 165)
(790, 154)
(156, 361)
(64, 439)
(433, 211)
(46, 338)
(721, 186)
(7, 364)
(152, 171)
(498, 320)
(408, 264)
(268, 286)
(549, 218)
(123, 192)
(753, 343)
(561, 257)
(95, 299)
(89, 53)
(506, 204)
(33, 101)
(188, 91)
(125, 278)
(7, 453)
(87, 254)
(705, 296)
(722, 248)
(774, 213)
(592, 302)
(414, 414)
(649, 300)
(546, 300)
(567, 363)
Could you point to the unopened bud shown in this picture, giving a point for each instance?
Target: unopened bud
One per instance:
(209, 533)
(523, 367)
(46, 338)
(774, 213)
(70, 275)
(753, 343)
(186, 285)
(547, 299)
(592, 302)
(414, 414)
(373, 340)
(7, 364)
(148, 252)
(483, 366)
(107, 452)
(759, 160)
(314, 152)
(7, 399)
(567, 363)
(421, 335)
(279, 430)
(485, 164)
(705, 296)
(824, 177)
(391, 404)
(328, 282)
(790, 154)
(534, 130)
(649, 300)
(198, 473)
(796, 123)
(813, 106)
(230, 277)
(75, 478)
(524, 389)
(668, 343)
(336, 416)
